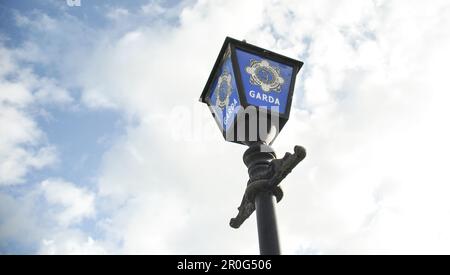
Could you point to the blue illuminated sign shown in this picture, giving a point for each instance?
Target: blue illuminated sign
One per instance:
(224, 97)
(266, 82)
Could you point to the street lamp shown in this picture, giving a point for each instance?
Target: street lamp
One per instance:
(249, 93)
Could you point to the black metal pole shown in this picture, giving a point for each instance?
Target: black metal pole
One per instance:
(267, 224)
(258, 158)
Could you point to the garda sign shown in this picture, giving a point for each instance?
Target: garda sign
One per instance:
(266, 82)
(224, 97)
(245, 78)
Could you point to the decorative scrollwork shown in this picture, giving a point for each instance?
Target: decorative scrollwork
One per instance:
(277, 170)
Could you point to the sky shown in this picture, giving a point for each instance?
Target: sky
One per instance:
(105, 149)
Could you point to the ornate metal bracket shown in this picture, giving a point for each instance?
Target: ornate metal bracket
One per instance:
(265, 173)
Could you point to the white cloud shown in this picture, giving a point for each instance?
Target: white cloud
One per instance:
(22, 143)
(153, 8)
(38, 20)
(48, 92)
(19, 222)
(375, 137)
(14, 94)
(18, 130)
(117, 13)
(7, 63)
(48, 216)
(77, 203)
(70, 243)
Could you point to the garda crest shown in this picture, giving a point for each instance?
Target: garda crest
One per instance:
(223, 89)
(265, 76)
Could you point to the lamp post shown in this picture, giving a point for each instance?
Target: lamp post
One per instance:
(249, 93)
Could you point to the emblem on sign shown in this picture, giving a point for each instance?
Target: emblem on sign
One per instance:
(264, 75)
(223, 90)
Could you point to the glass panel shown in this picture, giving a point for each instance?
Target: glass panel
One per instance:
(266, 82)
(224, 96)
